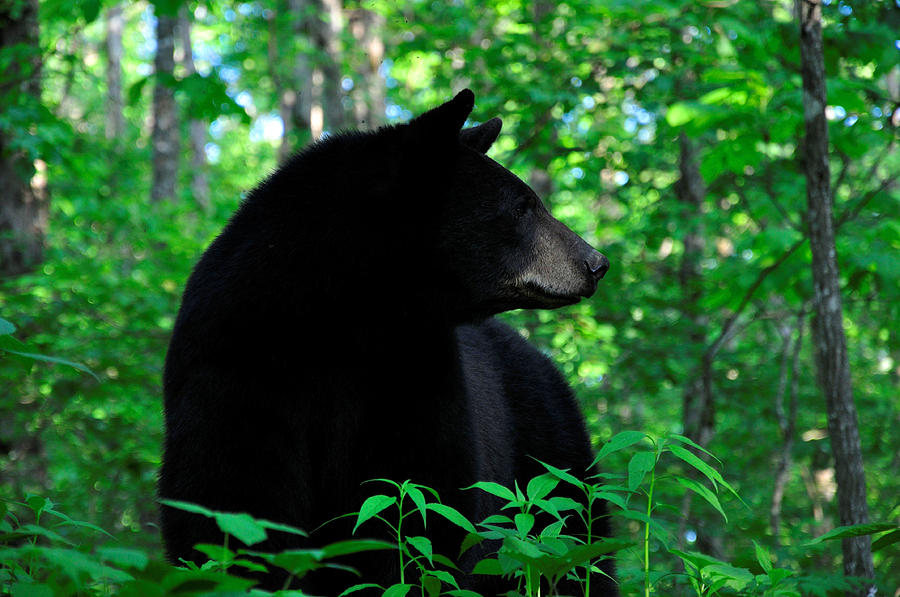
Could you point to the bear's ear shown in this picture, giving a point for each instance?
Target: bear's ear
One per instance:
(443, 123)
(481, 137)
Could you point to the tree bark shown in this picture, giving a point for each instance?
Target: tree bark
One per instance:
(196, 128)
(828, 331)
(165, 122)
(23, 196)
(115, 119)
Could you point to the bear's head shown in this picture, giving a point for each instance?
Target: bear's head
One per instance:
(498, 248)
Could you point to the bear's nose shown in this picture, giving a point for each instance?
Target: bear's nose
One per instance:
(598, 265)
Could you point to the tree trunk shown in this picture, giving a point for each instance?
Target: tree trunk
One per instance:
(368, 95)
(165, 122)
(828, 330)
(196, 128)
(23, 197)
(786, 418)
(324, 97)
(331, 65)
(115, 120)
(698, 410)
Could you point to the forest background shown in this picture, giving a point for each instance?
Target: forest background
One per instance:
(670, 134)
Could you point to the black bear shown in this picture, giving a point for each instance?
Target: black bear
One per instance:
(340, 329)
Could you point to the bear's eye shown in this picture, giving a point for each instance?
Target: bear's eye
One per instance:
(523, 206)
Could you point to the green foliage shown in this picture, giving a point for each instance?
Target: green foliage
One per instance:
(49, 556)
(594, 97)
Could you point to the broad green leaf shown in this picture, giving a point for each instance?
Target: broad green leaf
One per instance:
(639, 465)
(524, 523)
(423, 546)
(495, 489)
(397, 590)
(444, 576)
(540, 486)
(563, 475)
(488, 566)
(452, 515)
(371, 507)
(241, 526)
(418, 498)
(618, 442)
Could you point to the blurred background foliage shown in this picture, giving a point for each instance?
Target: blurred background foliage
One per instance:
(666, 132)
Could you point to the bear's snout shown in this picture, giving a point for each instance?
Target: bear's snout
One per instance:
(598, 265)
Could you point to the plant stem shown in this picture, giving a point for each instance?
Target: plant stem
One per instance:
(590, 522)
(647, 533)
(400, 536)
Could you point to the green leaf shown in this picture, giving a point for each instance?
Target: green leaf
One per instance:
(618, 442)
(495, 489)
(342, 548)
(372, 506)
(695, 462)
(886, 540)
(90, 9)
(540, 486)
(452, 515)
(703, 492)
(241, 526)
(639, 465)
(489, 566)
(524, 523)
(55, 360)
(6, 327)
(418, 499)
(423, 546)
(563, 475)
(763, 557)
(855, 530)
(188, 507)
(359, 587)
(397, 590)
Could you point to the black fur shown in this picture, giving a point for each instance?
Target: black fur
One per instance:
(339, 330)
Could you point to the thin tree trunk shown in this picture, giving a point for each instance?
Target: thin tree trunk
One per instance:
(368, 95)
(828, 330)
(331, 65)
(23, 196)
(698, 409)
(787, 418)
(196, 128)
(295, 95)
(326, 110)
(165, 122)
(115, 120)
